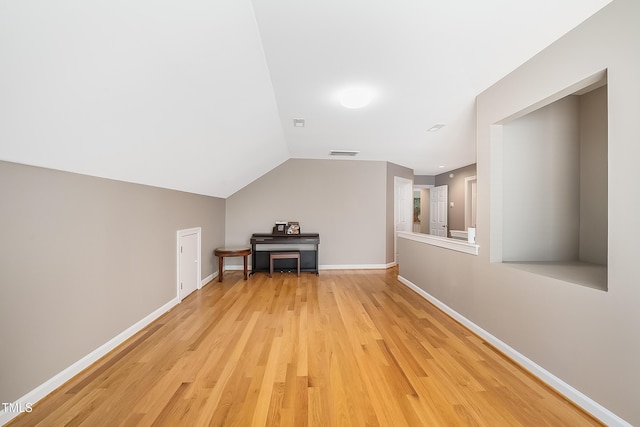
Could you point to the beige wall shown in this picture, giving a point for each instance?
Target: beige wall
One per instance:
(593, 177)
(455, 188)
(394, 170)
(343, 200)
(556, 156)
(424, 211)
(586, 337)
(424, 180)
(82, 259)
(541, 196)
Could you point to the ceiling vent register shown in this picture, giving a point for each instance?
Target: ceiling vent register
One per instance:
(343, 153)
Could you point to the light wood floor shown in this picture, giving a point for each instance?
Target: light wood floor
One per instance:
(344, 348)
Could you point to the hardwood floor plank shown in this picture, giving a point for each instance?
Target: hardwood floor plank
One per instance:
(171, 410)
(351, 347)
(261, 410)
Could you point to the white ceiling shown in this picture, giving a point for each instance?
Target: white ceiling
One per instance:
(200, 96)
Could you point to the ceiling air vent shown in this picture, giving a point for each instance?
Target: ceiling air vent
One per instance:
(343, 153)
(435, 128)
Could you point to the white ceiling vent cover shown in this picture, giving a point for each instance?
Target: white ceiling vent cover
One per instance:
(343, 153)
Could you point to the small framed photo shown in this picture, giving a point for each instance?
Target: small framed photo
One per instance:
(293, 228)
(280, 227)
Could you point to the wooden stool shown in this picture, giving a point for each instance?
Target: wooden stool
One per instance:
(283, 255)
(222, 252)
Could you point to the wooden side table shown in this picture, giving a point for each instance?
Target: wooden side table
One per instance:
(221, 253)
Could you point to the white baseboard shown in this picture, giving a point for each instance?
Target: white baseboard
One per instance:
(580, 399)
(208, 279)
(331, 267)
(233, 267)
(53, 383)
(357, 266)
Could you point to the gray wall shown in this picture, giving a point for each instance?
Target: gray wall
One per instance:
(394, 170)
(586, 337)
(82, 259)
(555, 182)
(424, 211)
(455, 214)
(343, 200)
(593, 177)
(541, 202)
(424, 180)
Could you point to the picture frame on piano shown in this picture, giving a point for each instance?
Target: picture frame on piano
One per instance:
(293, 227)
(280, 227)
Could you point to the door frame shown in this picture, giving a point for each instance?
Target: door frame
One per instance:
(180, 234)
(406, 185)
(469, 202)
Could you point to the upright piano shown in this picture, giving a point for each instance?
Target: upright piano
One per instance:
(263, 243)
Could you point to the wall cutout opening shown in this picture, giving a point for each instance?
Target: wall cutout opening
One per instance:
(554, 201)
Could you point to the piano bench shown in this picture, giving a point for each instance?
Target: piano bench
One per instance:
(283, 255)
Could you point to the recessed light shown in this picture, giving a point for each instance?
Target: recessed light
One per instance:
(435, 128)
(356, 97)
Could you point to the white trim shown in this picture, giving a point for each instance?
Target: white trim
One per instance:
(208, 279)
(58, 380)
(357, 266)
(577, 397)
(330, 267)
(182, 233)
(442, 242)
(235, 267)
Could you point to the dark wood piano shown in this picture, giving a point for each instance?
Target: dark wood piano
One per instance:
(263, 243)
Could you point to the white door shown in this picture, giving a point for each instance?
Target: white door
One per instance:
(403, 209)
(188, 264)
(438, 200)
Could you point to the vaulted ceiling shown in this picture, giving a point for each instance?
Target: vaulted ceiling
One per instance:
(200, 96)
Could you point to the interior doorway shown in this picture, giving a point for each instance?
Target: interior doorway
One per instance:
(438, 200)
(189, 244)
(470, 202)
(403, 209)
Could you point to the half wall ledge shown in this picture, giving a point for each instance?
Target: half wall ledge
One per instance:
(442, 242)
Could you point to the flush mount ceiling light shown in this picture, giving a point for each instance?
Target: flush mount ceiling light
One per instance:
(435, 128)
(356, 97)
